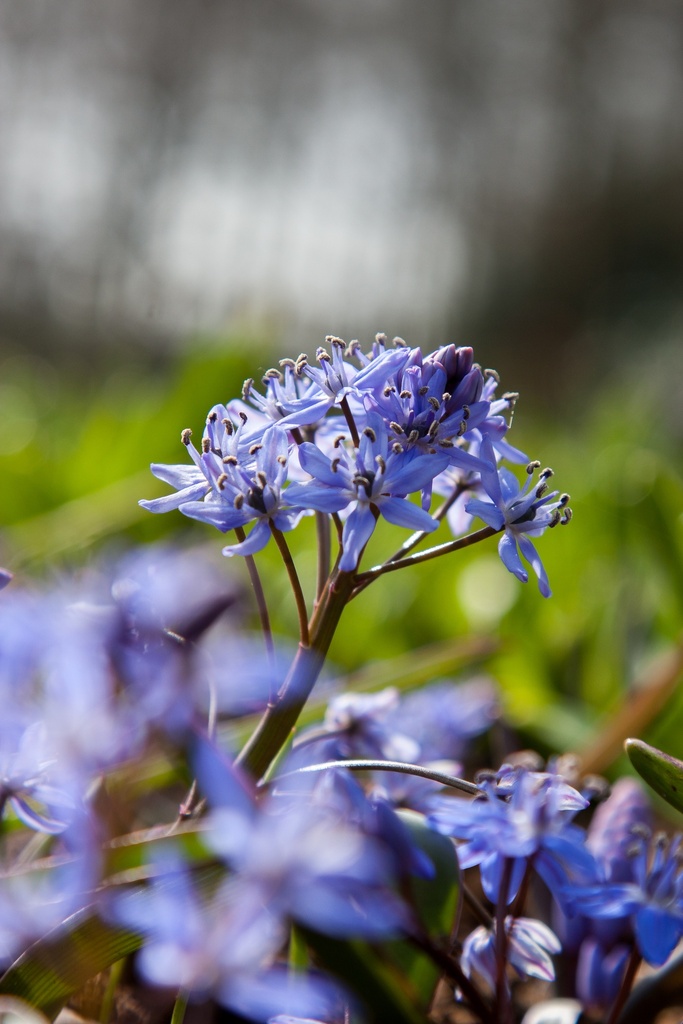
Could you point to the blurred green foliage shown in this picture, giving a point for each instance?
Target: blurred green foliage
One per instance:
(74, 456)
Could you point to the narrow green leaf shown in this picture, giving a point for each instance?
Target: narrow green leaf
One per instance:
(51, 970)
(661, 771)
(436, 903)
(381, 988)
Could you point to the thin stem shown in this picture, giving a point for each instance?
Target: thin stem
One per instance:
(632, 966)
(179, 1007)
(345, 408)
(420, 535)
(477, 906)
(456, 975)
(502, 993)
(294, 580)
(260, 596)
(115, 972)
(370, 575)
(452, 781)
(322, 526)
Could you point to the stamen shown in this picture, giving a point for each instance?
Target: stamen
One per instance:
(369, 432)
(405, 394)
(220, 481)
(239, 501)
(541, 489)
(396, 448)
(567, 516)
(246, 388)
(212, 417)
(532, 466)
(186, 435)
(465, 412)
(389, 390)
(262, 479)
(462, 429)
(547, 473)
(243, 417)
(230, 460)
(433, 427)
(381, 463)
(446, 443)
(282, 459)
(422, 391)
(564, 499)
(396, 427)
(339, 439)
(400, 343)
(413, 437)
(206, 445)
(334, 463)
(381, 338)
(255, 448)
(488, 372)
(288, 364)
(434, 402)
(228, 426)
(446, 396)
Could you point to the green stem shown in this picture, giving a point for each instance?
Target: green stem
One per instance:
(322, 525)
(115, 972)
(364, 578)
(294, 580)
(277, 722)
(260, 596)
(180, 1006)
(452, 781)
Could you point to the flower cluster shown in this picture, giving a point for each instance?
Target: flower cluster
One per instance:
(356, 436)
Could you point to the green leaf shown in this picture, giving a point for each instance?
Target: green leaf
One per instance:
(435, 901)
(379, 986)
(658, 992)
(661, 771)
(51, 970)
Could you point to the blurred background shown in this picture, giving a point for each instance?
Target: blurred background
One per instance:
(191, 190)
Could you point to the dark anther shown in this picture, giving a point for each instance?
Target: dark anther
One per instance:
(220, 482)
(492, 373)
(532, 466)
(239, 501)
(206, 445)
(246, 388)
(396, 427)
(230, 460)
(369, 432)
(186, 435)
(255, 448)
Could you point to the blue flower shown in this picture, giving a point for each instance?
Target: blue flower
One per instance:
(653, 899)
(372, 478)
(522, 814)
(241, 493)
(529, 945)
(521, 512)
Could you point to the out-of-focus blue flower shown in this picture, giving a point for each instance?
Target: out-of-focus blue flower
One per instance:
(521, 512)
(374, 479)
(6, 578)
(24, 779)
(600, 971)
(359, 724)
(526, 814)
(529, 945)
(213, 946)
(444, 716)
(653, 899)
(297, 861)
